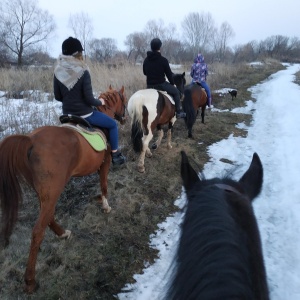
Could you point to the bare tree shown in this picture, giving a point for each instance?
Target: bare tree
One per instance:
(82, 26)
(198, 30)
(24, 26)
(246, 53)
(137, 45)
(155, 28)
(103, 50)
(221, 39)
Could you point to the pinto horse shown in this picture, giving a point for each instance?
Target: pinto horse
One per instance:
(220, 253)
(150, 109)
(47, 158)
(194, 98)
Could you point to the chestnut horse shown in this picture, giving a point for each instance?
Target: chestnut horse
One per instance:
(220, 254)
(47, 158)
(150, 109)
(194, 98)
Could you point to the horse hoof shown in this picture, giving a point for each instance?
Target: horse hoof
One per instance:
(107, 210)
(66, 235)
(141, 169)
(31, 288)
(154, 146)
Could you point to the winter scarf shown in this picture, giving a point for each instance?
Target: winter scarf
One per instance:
(69, 70)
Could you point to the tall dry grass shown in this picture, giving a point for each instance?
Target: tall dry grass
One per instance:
(15, 81)
(35, 84)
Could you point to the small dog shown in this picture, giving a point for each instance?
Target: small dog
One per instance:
(233, 93)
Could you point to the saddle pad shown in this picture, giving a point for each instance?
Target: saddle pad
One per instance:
(96, 139)
(168, 96)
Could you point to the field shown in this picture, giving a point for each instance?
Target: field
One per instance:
(106, 250)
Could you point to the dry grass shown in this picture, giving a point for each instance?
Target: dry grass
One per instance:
(106, 250)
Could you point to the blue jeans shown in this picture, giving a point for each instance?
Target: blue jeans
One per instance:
(100, 119)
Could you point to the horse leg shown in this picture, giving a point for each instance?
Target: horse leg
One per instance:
(58, 230)
(141, 161)
(169, 137)
(103, 174)
(158, 142)
(148, 152)
(202, 114)
(45, 218)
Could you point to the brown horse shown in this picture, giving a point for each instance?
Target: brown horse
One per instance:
(47, 158)
(150, 109)
(194, 98)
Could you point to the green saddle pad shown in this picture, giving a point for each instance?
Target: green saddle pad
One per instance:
(95, 140)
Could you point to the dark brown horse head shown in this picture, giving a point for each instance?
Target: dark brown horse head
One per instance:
(180, 82)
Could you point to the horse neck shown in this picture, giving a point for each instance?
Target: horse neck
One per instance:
(113, 104)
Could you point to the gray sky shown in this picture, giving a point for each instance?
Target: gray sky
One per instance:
(250, 19)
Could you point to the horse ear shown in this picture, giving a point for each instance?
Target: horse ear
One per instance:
(253, 178)
(122, 90)
(110, 87)
(183, 74)
(188, 174)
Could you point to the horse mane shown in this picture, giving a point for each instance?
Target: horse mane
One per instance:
(110, 98)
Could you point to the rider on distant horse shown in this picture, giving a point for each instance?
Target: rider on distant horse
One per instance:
(156, 67)
(199, 71)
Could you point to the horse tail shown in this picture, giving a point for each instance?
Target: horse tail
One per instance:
(187, 105)
(14, 165)
(137, 127)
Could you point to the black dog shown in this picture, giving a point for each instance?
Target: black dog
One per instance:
(233, 93)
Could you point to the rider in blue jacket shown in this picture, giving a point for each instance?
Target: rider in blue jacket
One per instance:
(199, 72)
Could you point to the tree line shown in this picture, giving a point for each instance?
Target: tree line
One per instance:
(25, 29)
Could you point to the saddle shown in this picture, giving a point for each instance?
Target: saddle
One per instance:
(164, 93)
(203, 89)
(81, 122)
(94, 136)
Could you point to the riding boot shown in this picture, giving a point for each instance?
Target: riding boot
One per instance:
(179, 112)
(208, 102)
(118, 158)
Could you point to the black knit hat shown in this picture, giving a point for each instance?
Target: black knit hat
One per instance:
(71, 46)
(155, 44)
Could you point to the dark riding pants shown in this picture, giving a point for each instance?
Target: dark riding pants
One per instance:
(170, 89)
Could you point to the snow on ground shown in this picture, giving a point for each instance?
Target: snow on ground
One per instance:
(274, 135)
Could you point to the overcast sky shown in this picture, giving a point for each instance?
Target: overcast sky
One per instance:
(250, 20)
